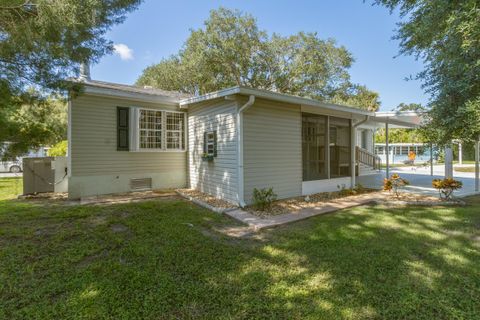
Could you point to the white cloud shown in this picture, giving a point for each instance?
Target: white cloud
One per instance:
(123, 51)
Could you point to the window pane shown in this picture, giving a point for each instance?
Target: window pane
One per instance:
(150, 123)
(174, 130)
(173, 140)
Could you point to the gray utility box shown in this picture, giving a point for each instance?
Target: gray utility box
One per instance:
(45, 174)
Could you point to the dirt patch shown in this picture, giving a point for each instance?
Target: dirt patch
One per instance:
(209, 199)
(116, 228)
(45, 195)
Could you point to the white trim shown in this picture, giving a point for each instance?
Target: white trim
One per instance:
(135, 132)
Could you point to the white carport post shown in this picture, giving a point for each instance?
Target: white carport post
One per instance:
(448, 161)
(477, 165)
(387, 151)
(353, 135)
(431, 159)
(460, 155)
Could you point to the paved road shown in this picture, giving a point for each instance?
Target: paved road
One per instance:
(8, 174)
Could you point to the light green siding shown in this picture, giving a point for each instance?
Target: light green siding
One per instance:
(96, 165)
(272, 148)
(217, 177)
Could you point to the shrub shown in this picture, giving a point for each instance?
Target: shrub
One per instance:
(263, 198)
(394, 183)
(446, 186)
(60, 149)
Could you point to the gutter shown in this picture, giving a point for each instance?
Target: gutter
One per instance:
(240, 176)
(362, 122)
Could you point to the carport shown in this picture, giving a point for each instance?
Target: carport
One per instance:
(421, 181)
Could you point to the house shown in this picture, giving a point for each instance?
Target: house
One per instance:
(225, 143)
(398, 152)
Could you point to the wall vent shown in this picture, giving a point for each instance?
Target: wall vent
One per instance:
(140, 184)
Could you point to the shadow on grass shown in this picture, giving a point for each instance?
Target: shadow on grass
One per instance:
(362, 263)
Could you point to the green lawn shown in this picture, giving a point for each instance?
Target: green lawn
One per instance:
(164, 260)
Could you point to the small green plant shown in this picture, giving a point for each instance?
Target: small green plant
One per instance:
(446, 187)
(263, 198)
(359, 188)
(394, 183)
(344, 191)
(207, 157)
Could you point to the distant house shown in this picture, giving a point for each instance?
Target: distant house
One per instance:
(225, 143)
(398, 152)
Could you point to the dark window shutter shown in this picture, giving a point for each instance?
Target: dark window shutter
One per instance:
(205, 149)
(122, 128)
(214, 143)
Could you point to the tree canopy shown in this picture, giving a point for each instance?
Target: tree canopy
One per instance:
(33, 123)
(231, 50)
(42, 43)
(446, 36)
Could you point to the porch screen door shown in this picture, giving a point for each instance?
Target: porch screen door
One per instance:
(314, 147)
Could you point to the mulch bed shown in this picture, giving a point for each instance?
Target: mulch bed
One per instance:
(294, 205)
(209, 199)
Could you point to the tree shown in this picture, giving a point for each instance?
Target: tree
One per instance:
(42, 43)
(446, 36)
(59, 149)
(37, 122)
(410, 107)
(232, 51)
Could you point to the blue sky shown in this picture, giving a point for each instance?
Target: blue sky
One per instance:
(159, 28)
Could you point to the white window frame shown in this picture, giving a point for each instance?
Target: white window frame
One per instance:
(135, 136)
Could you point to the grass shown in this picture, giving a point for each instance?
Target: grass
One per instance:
(164, 259)
(10, 187)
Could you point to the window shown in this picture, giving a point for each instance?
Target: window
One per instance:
(158, 130)
(150, 124)
(210, 144)
(174, 130)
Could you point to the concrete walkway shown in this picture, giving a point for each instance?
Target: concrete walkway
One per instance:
(258, 223)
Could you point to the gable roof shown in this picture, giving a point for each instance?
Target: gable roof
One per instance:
(149, 94)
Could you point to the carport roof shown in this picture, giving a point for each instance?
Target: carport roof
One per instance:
(396, 119)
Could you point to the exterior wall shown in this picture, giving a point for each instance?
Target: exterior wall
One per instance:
(369, 139)
(272, 135)
(96, 167)
(325, 185)
(217, 177)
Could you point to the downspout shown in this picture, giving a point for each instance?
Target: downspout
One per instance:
(353, 149)
(361, 122)
(240, 177)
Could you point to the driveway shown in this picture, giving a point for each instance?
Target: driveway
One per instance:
(421, 180)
